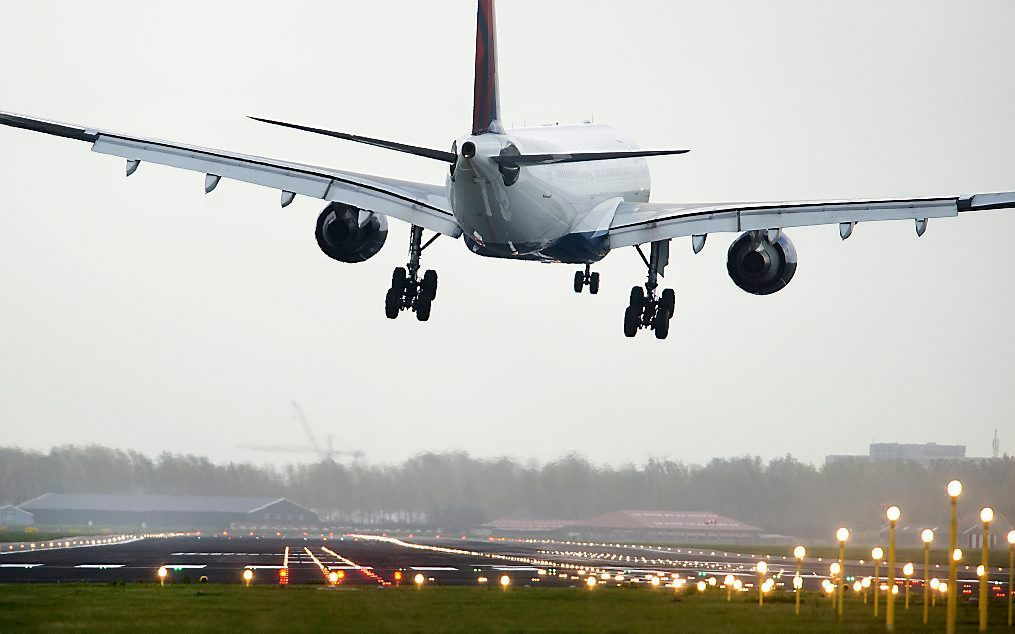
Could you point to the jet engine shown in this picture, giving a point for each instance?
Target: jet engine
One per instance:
(760, 266)
(348, 234)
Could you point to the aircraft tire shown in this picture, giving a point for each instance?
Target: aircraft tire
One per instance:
(391, 303)
(579, 281)
(594, 283)
(632, 317)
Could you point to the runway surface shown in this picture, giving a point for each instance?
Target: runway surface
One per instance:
(382, 560)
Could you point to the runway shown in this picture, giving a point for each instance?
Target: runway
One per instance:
(381, 560)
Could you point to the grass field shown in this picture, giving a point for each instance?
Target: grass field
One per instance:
(22, 536)
(183, 608)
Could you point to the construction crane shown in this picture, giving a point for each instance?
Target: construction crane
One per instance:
(327, 453)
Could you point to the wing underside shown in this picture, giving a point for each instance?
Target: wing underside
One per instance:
(638, 223)
(420, 204)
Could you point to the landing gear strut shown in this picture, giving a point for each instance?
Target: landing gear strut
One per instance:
(408, 291)
(586, 278)
(645, 309)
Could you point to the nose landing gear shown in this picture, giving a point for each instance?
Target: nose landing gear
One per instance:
(408, 291)
(586, 278)
(645, 309)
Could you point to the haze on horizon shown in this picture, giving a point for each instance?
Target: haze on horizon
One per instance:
(143, 314)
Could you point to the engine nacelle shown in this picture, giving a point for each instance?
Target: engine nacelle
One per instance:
(348, 234)
(760, 266)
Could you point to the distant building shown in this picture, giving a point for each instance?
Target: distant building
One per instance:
(168, 511)
(925, 453)
(13, 516)
(670, 526)
(972, 536)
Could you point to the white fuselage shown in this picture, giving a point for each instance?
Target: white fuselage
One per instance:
(551, 212)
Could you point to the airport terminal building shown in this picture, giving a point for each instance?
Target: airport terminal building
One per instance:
(168, 511)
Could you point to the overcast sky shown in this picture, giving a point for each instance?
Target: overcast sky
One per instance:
(144, 314)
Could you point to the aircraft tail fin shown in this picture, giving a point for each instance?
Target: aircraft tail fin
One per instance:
(486, 94)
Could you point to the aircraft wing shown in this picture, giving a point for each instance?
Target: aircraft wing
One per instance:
(638, 223)
(416, 203)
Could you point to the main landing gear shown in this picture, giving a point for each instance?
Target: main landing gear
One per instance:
(408, 291)
(586, 278)
(645, 309)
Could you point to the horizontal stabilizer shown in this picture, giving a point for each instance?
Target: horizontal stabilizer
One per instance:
(439, 155)
(579, 157)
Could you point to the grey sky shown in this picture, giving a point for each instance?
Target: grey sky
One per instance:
(146, 315)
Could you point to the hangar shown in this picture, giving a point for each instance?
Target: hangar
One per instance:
(168, 511)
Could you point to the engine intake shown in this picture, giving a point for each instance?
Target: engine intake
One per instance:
(348, 234)
(760, 266)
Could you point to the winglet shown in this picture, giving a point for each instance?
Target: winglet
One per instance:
(486, 93)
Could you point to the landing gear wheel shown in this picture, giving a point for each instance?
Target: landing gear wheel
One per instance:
(632, 319)
(423, 305)
(430, 284)
(579, 281)
(668, 302)
(594, 283)
(661, 323)
(392, 303)
(398, 278)
(637, 297)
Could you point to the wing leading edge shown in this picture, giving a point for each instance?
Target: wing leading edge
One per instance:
(638, 223)
(420, 204)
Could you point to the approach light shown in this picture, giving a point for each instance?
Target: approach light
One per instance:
(701, 586)
(1011, 537)
(835, 568)
(980, 571)
(591, 582)
(957, 554)
(877, 553)
(398, 575)
(954, 488)
(162, 573)
(895, 589)
(799, 552)
(865, 582)
(893, 514)
(712, 581)
(798, 582)
(419, 579)
(842, 534)
(927, 536)
(728, 581)
(935, 583)
(762, 567)
(857, 586)
(505, 581)
(986, 515)
(654, 581)
(907, 570)
(333, 578)
(737, 584)
(248, 576)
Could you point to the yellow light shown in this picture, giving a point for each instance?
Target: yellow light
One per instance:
(1011, 537)
(728, 581)
(248, 575)
(505, 580)
(866, 582)
(980, 571)
(895, 589)
(877, 554)
(935, 583)
(927, 536)
(798, 582)
(333, 578)
(842, 534)
(943, 587)
(857, 586)
(162, 572)
(986, 515)
(957, 554)
(762, 567)
(418, 579)
(954, 488)
(701, 586)
(591, 582)
(799, 552)
(737, 584)
(482, 580)
(907, 570)
(835, 568)
(893, 514)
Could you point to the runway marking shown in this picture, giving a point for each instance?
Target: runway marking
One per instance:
(99, 566)
(365, 570)
(434, 568)
(518, 568)
(317, 561)
(264, 567)
(350, 567)
(20, 565)
(285, 558)
(185, 566)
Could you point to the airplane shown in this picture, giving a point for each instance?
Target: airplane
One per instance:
(564, 193)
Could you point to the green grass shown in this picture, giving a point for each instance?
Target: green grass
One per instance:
(184, 608)
(22, 536)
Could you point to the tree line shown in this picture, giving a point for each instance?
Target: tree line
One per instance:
(783, 495)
